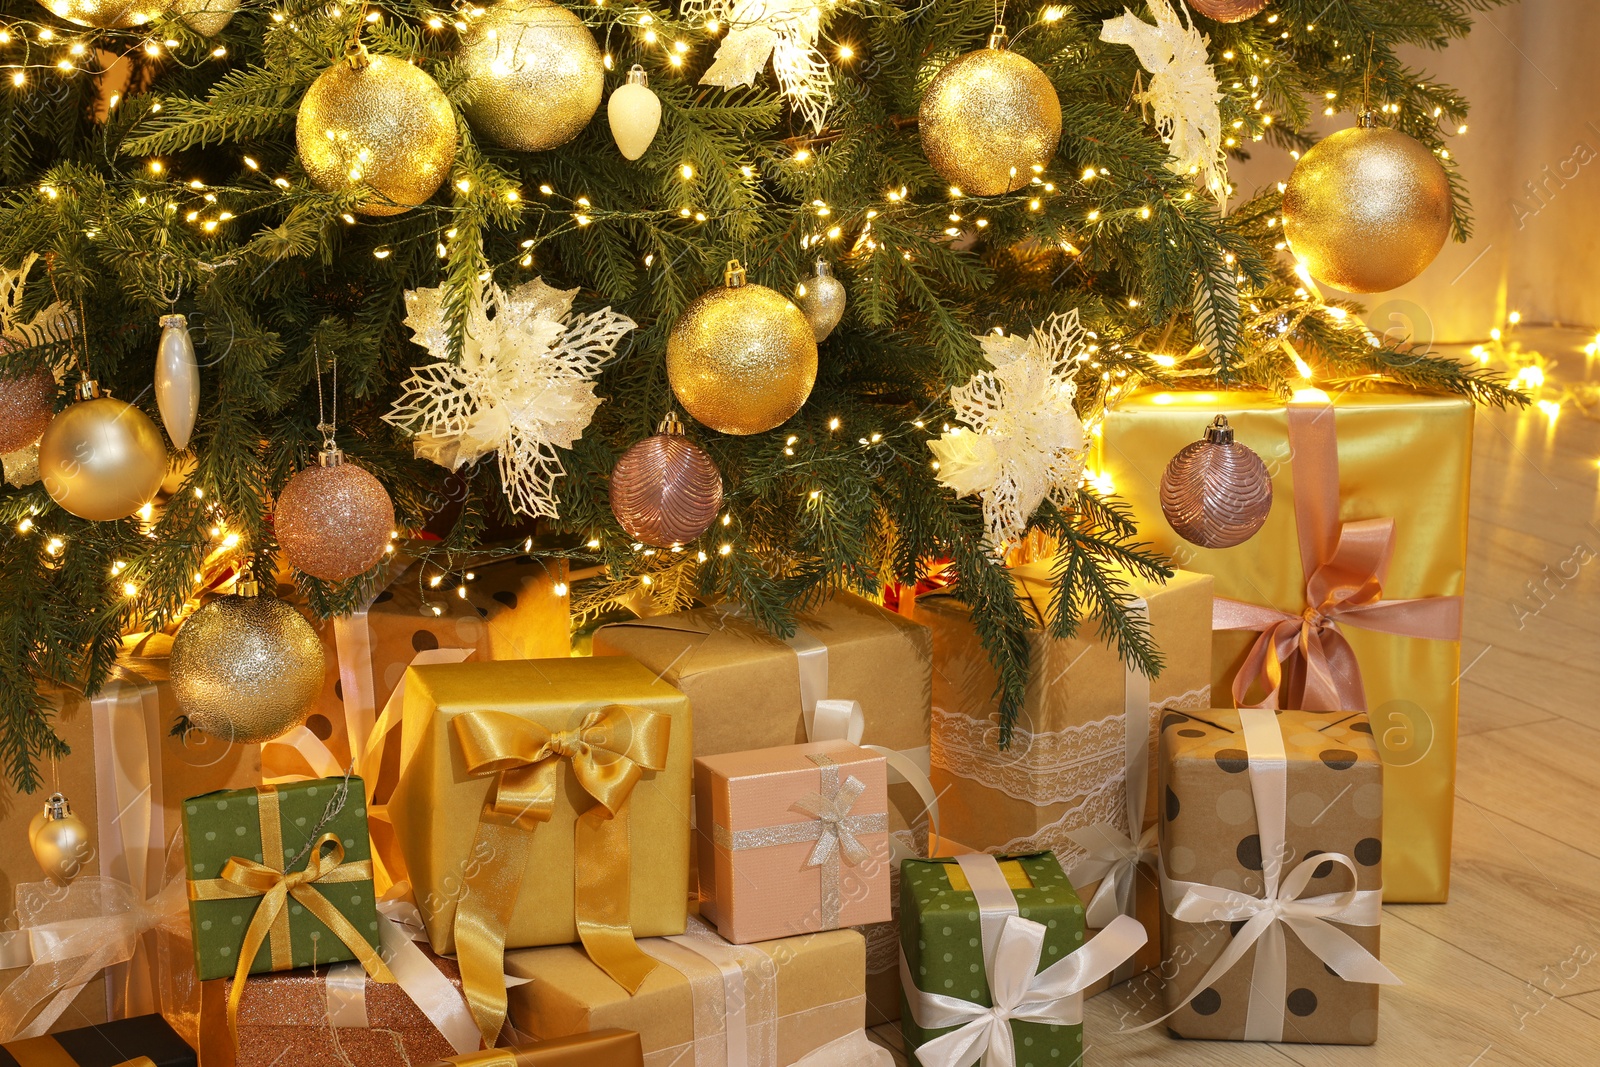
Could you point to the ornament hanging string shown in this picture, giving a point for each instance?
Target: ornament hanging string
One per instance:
(327, 426)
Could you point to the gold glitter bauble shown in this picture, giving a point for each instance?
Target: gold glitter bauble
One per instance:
(988, 119)
(206, 17)
(26, 403)
(1367, 209)
(246, 668)
(333, 520)
(1228, 10)
(108, 14)
(102, 459)
(1216, 493)
(379, 124)
(742, 358)
(665, 490)
(535, 73)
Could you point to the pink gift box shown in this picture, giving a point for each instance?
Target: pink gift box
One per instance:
(793, 840)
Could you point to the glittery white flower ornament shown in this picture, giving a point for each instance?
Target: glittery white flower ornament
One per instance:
(1183, 90)
(784, 30)
(524, 386)
(1021, 439)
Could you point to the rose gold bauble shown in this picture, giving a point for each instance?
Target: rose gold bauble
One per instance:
(1216, 493)
(26, 401)
(333, 520)
(1228, 10)
(665, 490)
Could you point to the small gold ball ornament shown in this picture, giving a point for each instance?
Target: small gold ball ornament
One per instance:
(246, 667)
(378, 124)
(1216, 493)
(1367, 208)
(333, 519)
(60, 841)
(665, 490)
(206, 17)
(26, 400)
(1228, 10)
(742, 358)
(101, 458)
(535, 72)
(988, 119)
(108, 14)
(822, 299)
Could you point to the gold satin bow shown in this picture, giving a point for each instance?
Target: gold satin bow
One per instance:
(608, 752)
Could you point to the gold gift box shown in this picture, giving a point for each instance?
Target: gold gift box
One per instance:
(1402, 455)
(603, 1048)
(819, 996)
(436, 803)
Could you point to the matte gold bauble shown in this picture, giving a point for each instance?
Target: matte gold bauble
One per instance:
(742, 358)
(378, 124)
(988, 119)
(1216, 493)
(665, 490)
(246, 668)
(1367, 209)
(101, 458)
(1228, 10)
(206, 17)
(26, 400)
(60, 841)
(822, 300)
(108, 14)
(535, 73)
(333, 520)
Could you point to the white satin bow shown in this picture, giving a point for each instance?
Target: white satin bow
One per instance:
(1113, 860)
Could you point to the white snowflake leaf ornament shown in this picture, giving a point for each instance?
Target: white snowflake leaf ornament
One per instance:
(524, 386)
(784, 31)
(1183, 90)
(1021, 439)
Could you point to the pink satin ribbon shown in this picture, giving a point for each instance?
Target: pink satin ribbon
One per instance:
(1303, 661)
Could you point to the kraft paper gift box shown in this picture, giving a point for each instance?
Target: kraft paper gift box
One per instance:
(544, 802)
(603, 1048)
(1242, 787)
(1383, 456)
(1064, 782)
(751, 690)
(793, 840)
(143, 1041)
(238, 843)
(981, 934)
(795, 996)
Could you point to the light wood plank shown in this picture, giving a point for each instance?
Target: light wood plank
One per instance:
(1543, 776)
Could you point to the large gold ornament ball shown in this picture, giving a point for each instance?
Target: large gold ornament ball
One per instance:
(246, 668)
(742, 359)
(26, 401)
(1367, 209)
(535, 72)
(379, 125)
(988, 119)
(108, 14)
(333, 522)
(102, 459)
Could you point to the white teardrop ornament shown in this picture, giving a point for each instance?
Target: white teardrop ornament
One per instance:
(177, 380)
(635, 114)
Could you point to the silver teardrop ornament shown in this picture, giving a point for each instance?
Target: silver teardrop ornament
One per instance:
(177, 380)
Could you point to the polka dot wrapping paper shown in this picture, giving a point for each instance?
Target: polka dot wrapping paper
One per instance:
(229, 825)
(1210, 835)
(940, 934)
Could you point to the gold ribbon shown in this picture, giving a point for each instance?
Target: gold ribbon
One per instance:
(608, 754)
(246, 878)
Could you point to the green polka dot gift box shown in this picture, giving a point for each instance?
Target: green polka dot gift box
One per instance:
(281, 875)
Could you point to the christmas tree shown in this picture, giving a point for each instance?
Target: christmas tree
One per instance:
(409, 230)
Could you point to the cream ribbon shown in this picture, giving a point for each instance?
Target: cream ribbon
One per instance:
(1281, 904)
(1018, 990)
(735, 1009)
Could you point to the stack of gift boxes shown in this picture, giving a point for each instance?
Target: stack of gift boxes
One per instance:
(708, 845)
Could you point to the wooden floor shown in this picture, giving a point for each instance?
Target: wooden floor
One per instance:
(1509, 971)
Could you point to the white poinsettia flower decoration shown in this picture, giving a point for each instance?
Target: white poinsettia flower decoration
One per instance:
(524, 386)
(1021, 439)
(786, 31)
(1183, 90)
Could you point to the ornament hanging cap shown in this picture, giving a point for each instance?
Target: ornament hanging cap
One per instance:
(998, 38)
(1219, 432)
(355, 53)
(171, 322)
(330, 456)
(733, 276)
(57, 807)
(1368, 119)
(637, 76)
(88, 389)
(246, 586)
(671, 426)
(824, 268)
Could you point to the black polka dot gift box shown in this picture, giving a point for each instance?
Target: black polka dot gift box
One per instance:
(1272, 882)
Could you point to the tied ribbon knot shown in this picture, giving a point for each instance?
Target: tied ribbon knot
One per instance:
(1113, 860)
(608, 753)
(837, 838)
(1303, 660)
